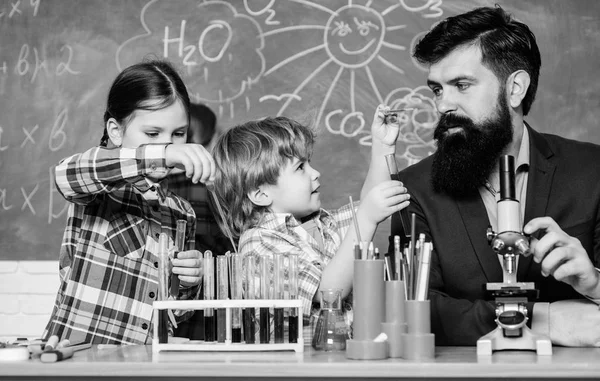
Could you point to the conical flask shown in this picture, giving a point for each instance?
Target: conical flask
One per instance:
(331, 330)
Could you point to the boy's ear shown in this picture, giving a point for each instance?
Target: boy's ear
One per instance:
(115, 132)
(260, 198)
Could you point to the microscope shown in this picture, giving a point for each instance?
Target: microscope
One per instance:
(510, 296)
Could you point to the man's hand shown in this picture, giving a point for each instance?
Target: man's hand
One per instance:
(563, 257)
(575, 323)
(188, 265)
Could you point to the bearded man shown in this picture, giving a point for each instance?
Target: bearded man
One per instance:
(483, 71)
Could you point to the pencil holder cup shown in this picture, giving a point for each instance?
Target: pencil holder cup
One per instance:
(419, 342)
(395, 324)
(369, 311)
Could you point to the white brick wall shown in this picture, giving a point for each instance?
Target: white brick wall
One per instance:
(27, 292)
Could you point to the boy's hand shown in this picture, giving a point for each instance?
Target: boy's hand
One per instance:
(193, 159)
(382, 132)
(188, 265)
(383, 200)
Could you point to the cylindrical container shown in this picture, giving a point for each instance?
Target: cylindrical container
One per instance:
(369, 311)
(419, 342)
(418, 316)
(395, 320)
(394, 302)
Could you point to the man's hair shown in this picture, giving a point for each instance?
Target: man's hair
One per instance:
(251, 155)
(506, 45)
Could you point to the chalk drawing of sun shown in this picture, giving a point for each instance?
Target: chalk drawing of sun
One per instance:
(361, 46)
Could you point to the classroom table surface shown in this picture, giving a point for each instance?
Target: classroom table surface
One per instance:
(126, 362)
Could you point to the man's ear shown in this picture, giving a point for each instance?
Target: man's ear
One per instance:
(259, 197)
(115, 132)
(517, 86)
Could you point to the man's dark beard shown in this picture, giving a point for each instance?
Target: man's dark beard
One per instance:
(464, 160)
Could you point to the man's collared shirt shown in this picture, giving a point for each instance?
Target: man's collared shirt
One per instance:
(109, 254)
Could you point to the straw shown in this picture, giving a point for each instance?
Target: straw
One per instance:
(228, 233)
(355, 220)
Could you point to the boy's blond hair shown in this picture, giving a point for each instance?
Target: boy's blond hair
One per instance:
(251, 155)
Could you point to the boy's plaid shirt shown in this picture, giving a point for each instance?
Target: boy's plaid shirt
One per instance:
(281, 234)
(108, 257)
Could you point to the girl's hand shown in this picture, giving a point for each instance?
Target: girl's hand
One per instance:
(382, 201)
(188, 266)
(382, 132)
(193, 159)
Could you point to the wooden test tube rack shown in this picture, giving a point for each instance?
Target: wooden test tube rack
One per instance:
(227, 346)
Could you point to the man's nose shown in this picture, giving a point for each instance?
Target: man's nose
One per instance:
(445, 104)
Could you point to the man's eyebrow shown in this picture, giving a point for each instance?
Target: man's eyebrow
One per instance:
(453, 81)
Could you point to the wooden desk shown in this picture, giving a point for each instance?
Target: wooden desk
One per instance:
(450, 362)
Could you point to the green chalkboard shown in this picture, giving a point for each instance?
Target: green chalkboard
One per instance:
(326, 62)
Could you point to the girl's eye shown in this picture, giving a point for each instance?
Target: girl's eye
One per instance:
(152, 134)
(301, 167)
(179, 134)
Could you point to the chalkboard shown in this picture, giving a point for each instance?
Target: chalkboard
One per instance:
(325, 62)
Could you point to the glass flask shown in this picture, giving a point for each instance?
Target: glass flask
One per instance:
(331, 330)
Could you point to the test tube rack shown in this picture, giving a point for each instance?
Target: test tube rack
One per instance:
(227, 346)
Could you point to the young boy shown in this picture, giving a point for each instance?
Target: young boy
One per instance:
(270, 193)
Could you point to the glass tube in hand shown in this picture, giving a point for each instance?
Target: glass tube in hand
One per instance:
(179, 246)
(163, 282)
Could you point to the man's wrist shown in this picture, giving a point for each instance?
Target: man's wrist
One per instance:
(594, 296)
(541, 319)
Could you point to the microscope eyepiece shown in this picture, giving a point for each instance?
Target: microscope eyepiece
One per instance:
(507, 178)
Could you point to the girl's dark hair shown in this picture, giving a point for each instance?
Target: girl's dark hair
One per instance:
(251, 155)
(149, 85)
(506, 45)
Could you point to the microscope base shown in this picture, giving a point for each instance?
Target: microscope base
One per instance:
(495, 341)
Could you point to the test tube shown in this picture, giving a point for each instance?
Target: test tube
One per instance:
(390, 159)
(236, 293)
(209, 294)
(163, 281)
(179, 246)
(293, 294)
(278, 294)
(222, 294)
(249, 312)
(265, 318)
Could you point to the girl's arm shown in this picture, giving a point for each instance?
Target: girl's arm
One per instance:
(79, 178)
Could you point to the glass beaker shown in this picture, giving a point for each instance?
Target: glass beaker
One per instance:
(331, 330)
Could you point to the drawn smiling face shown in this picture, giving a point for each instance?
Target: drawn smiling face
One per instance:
(354, 35)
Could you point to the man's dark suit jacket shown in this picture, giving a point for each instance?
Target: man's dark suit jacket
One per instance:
(563, 183)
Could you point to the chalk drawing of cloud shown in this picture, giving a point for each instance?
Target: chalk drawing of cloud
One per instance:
(210, 41)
